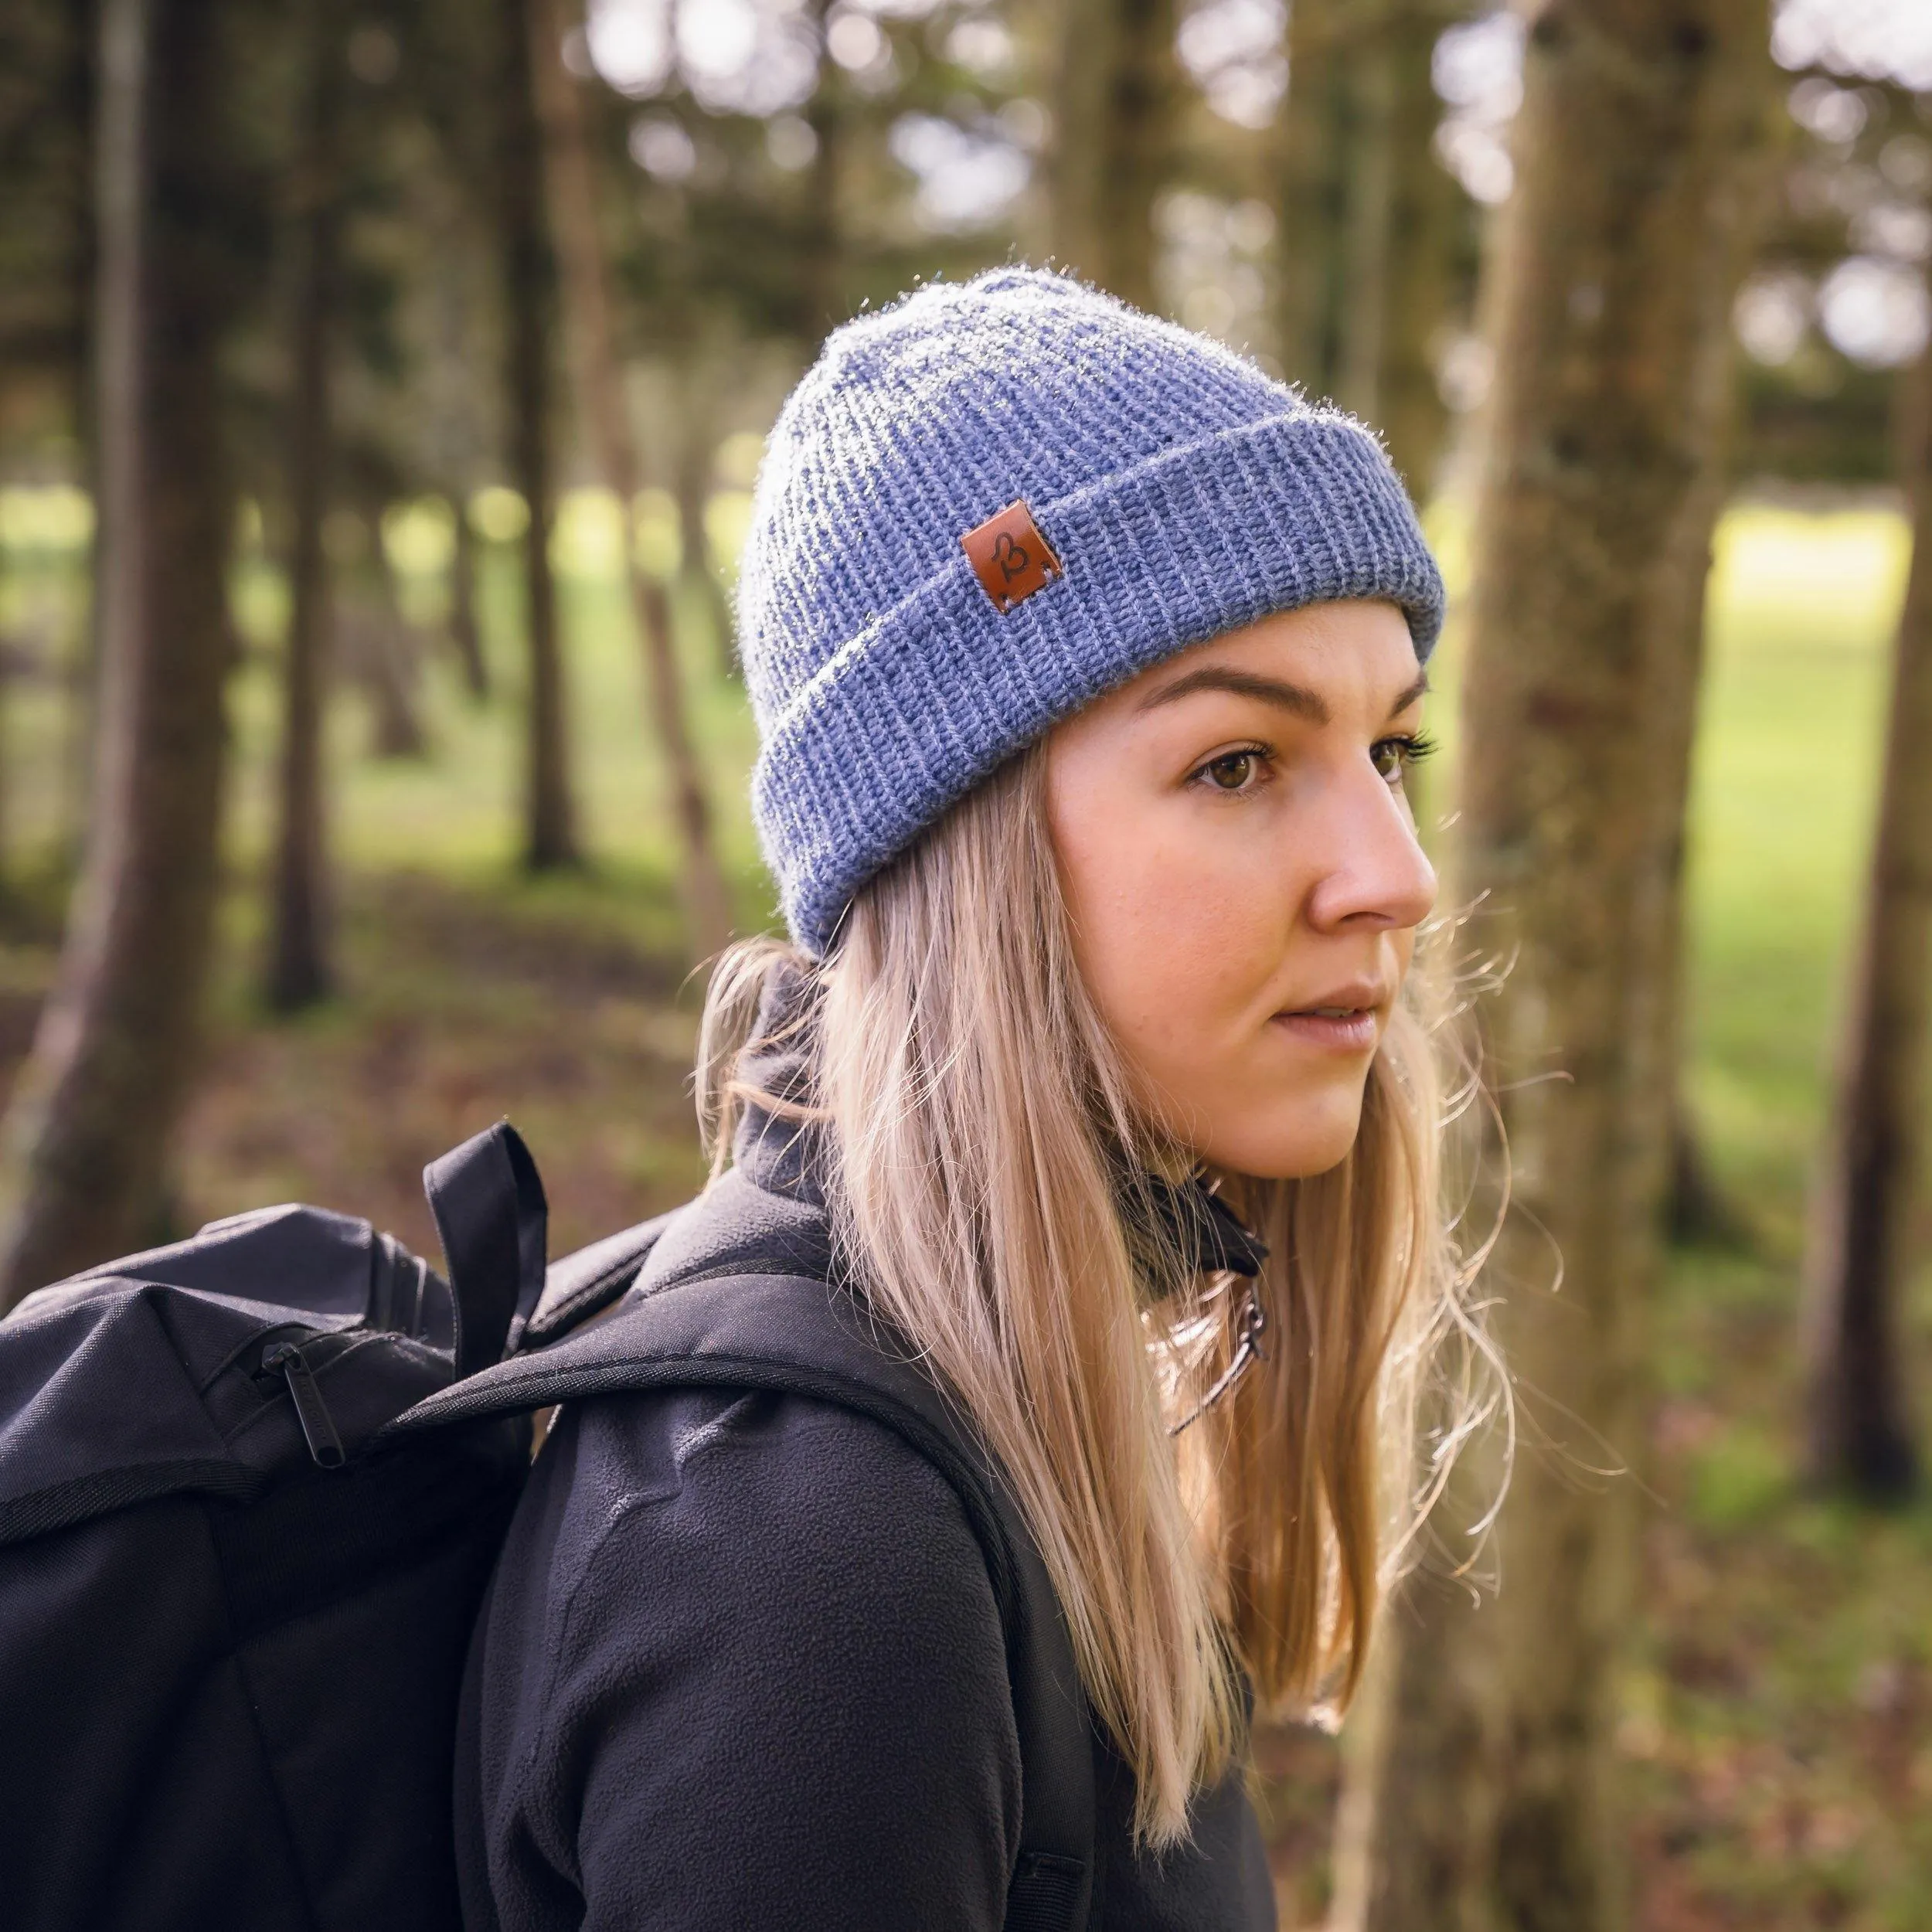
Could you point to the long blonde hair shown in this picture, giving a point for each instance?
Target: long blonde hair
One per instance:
(984, 1154)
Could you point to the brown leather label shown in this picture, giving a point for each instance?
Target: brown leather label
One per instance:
(1010, 557)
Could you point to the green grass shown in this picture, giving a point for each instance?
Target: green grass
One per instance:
(1787, 775)
(1778, 1713)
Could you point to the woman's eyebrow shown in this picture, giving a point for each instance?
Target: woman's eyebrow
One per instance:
(1298, 699)
(1419, 689)
(1243, 684)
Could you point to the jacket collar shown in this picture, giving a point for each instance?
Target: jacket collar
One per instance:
(774, 1148)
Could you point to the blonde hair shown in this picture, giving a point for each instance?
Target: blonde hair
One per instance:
(987, 1185)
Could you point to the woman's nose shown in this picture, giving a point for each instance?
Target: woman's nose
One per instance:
(1379, 876)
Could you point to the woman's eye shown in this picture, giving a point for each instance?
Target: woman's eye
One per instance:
(1232, 771)
(1393, 756)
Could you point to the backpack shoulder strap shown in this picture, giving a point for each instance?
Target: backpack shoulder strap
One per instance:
(582, 1284)
(795, 1333)
(493, 1220)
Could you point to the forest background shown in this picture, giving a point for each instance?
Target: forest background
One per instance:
(381, 389)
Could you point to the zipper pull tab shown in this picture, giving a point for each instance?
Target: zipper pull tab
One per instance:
(318, 1426)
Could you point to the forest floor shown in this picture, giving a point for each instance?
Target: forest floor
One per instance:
(1777, 1701)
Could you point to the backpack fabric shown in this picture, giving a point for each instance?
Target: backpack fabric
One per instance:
(252, 1487)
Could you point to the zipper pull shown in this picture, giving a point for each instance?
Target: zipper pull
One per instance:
(1248, 1350)
(318, 1426)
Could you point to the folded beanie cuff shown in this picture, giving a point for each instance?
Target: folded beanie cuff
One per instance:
(932, 695)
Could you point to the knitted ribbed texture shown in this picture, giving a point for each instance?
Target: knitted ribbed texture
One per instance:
(1185, 492)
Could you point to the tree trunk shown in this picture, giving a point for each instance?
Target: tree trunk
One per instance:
(19, 655)
(299, 972)
(1640, 149)
(1116, 117)
(1311, 196)
(465, 634)
(1367, 218)
(87, 1127)
(1416, 1820)
(1698, 1212)
(380, 649)
(606, 415)
(79, 683)
(1424, 205)
(1861, 1250)
(456, 411)
(549, 834)
(1368, 209)
(822, 283)
(697, 564)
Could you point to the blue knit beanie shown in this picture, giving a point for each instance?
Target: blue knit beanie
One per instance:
(1171, 492)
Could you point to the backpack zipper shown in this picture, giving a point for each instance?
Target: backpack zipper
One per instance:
(318, 1426)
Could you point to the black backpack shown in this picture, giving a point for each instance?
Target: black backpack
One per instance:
(251, 1489)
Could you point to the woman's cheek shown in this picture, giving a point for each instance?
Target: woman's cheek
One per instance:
(1207, 944)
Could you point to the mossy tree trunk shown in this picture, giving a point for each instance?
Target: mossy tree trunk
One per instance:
(697, 563)
(822, 301)
(299, 970)
(1116, 104)
(1368, 218)
(1861, 1250)
(1311, 193)
(1415, 1830)
(605, 412)
(1425, 215)
(549, 830)
(459, 413)
(1641, 149)
(466, 633)
(102, 1087)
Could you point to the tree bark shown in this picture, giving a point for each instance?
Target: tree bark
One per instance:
(299, 970)
(1640, 151)
(465, 634)
(1424, 206)
(605, 417)
(550, 839)
(1368, 209)
(1416, 1820)
(87, 1127)
(1861, 1250)
(80, 664)
(698, 566)
(1311, 195)
(1116, 116)
(380, 649)
(1698, 1212)
(457, 410)
(823, 282)
(1367, 218)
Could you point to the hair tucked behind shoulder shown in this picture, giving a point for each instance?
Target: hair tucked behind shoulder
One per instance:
(984, 1152)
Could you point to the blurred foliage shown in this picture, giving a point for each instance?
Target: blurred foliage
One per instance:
(756, 184)
(1837, 299)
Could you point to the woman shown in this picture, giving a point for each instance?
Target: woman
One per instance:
(1087, 662)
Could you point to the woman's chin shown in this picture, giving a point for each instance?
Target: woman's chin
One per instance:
(1293, 1150)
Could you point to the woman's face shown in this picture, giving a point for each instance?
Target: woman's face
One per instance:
(1243, 873)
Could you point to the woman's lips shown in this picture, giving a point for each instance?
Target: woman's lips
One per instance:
(1338, 1029)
